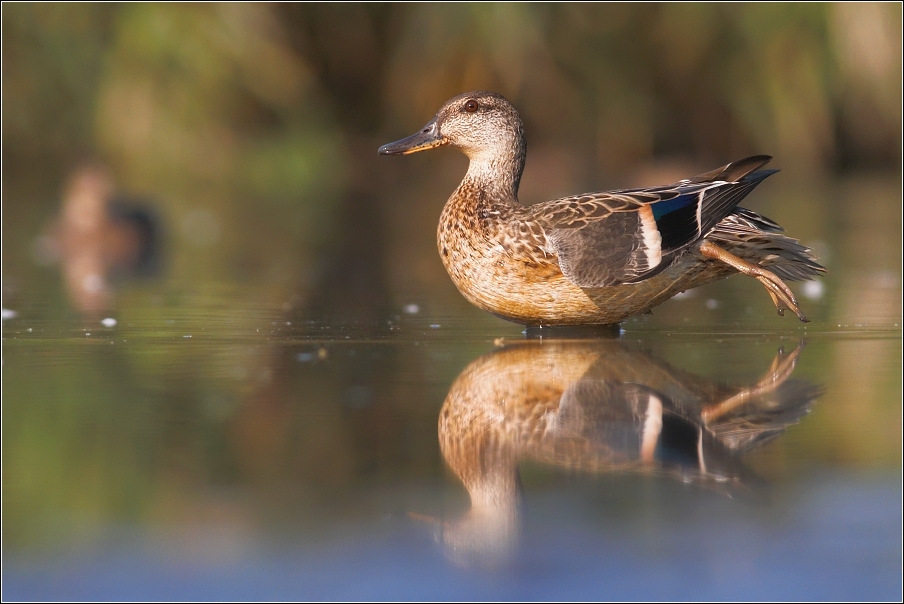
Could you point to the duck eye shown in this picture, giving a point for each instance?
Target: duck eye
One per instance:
(471, 106)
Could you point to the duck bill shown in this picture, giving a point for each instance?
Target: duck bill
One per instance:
(428, 138)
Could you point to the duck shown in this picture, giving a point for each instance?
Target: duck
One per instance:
(594, 258)
(100, 237)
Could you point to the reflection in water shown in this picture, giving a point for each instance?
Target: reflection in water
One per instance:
(98, 238)
(598, 407)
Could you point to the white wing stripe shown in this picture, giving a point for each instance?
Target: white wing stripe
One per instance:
(652, 239)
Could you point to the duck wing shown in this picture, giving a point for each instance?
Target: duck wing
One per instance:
(626, 236)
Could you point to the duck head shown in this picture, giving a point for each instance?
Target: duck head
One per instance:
(485, 126)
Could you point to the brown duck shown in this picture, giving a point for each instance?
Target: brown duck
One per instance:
(596, 258)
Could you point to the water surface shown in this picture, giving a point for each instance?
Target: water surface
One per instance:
(204, 452)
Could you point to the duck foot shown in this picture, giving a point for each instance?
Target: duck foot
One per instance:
(572, 332)
(779, 292)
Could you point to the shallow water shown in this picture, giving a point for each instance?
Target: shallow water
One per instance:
(202, 448)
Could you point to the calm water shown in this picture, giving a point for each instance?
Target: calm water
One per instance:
(202, 450)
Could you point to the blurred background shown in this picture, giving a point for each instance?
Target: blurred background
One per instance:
(200, 245)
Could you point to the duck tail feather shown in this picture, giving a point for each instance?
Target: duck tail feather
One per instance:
(734, 171)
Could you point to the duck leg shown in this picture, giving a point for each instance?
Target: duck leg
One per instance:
(779, 292)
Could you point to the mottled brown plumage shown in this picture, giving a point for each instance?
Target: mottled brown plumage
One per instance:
(596, 258)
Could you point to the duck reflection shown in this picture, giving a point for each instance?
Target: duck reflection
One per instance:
(598, 407)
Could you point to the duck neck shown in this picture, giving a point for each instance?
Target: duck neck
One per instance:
(496, 173)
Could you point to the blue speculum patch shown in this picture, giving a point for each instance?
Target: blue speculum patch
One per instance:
(676, 220)
(662, 208)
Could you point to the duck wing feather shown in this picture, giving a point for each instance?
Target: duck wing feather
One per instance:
(626, 236)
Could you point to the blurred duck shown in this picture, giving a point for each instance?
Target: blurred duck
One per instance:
(99, 237)
(598, 407)
(595, 258)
